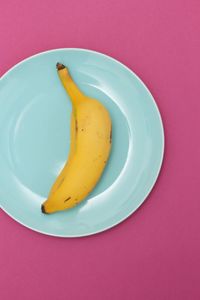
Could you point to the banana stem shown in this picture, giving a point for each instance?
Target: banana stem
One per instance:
(70, 86)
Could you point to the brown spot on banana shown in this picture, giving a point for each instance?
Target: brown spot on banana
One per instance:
(67, 199)
(76, 126)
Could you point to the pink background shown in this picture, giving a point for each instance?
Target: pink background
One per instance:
(154, 254)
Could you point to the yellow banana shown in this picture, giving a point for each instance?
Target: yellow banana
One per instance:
(91, 138)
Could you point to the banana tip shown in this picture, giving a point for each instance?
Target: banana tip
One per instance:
(60, 66)
(43, 209)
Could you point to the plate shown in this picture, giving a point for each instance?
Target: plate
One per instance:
(34, 142)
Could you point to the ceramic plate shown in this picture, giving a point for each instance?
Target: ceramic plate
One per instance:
(34, 141)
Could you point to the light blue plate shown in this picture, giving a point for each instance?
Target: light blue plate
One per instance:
(34, 141)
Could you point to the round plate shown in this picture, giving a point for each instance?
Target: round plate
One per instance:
(34, 141)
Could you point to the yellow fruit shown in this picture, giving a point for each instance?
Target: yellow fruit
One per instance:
(89, 150)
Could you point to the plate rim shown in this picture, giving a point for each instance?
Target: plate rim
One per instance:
(157, 173)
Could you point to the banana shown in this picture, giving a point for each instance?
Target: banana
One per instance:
(90, 145)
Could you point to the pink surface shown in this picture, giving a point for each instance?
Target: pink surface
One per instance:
(155, 254)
